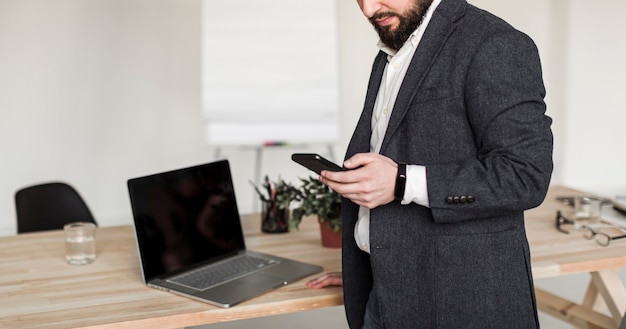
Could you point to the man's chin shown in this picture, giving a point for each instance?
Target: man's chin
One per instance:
(386, 31)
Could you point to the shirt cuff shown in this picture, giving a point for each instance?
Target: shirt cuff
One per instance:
(416, 189)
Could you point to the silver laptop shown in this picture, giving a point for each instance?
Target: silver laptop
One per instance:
(190, 239)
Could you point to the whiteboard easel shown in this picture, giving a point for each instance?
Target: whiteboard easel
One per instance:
(258, 160)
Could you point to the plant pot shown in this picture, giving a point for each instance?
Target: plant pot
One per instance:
(330, 239)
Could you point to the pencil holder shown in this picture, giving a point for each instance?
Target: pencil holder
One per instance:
(273, 218)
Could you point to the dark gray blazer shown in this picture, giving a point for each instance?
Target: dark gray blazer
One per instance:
(471, 110)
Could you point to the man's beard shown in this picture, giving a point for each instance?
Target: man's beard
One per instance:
(409, 21)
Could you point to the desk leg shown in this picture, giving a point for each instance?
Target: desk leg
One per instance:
(572, 313)
(592, 299)
(610, 287)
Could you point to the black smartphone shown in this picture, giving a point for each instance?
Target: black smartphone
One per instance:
(315, 162)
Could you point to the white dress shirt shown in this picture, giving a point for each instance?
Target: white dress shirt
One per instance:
(397, 64)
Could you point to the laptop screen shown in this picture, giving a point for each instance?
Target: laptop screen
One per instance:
(185, 217)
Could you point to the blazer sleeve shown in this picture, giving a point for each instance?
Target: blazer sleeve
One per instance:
(503, 96)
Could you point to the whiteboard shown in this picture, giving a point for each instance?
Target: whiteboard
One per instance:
(269, 71)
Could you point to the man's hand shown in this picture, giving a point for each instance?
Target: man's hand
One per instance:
(328, 279)
(370, 182)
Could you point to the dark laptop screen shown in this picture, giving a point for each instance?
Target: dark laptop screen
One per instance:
(185, 217)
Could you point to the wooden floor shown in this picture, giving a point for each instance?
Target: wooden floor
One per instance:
(332, 317)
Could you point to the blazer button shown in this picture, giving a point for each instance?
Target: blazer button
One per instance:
(456, 199)
(449, 200)
(470, 199)
(463, 199)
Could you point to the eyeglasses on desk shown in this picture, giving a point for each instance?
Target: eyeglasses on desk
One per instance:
(589, 231)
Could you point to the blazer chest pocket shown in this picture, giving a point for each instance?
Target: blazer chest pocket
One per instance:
(430, 94)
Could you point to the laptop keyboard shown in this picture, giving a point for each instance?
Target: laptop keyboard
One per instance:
(229, 269)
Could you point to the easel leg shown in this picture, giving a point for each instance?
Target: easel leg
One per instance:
(218, 153)
(331, 154)
(258, 157)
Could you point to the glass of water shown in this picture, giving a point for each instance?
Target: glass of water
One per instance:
(80, 243)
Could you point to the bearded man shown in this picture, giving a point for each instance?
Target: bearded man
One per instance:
(452, 145)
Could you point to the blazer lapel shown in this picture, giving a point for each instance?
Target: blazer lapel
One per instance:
(439, 29)
(361, 139)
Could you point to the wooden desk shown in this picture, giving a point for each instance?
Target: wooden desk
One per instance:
(38, 290)
(554, 254)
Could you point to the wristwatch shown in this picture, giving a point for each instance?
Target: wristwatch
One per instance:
(400, 181)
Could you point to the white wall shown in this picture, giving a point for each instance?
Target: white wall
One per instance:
(95, 92)
(583, 46)
(594, 153)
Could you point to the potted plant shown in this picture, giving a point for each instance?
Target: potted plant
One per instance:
(315, 198)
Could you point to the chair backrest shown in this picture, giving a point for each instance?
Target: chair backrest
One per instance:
(49, 206)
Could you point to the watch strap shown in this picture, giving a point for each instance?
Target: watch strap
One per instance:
(400, 182)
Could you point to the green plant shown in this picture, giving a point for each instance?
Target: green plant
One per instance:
(315, 198)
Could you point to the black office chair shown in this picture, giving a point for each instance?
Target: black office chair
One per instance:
(49, 206)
